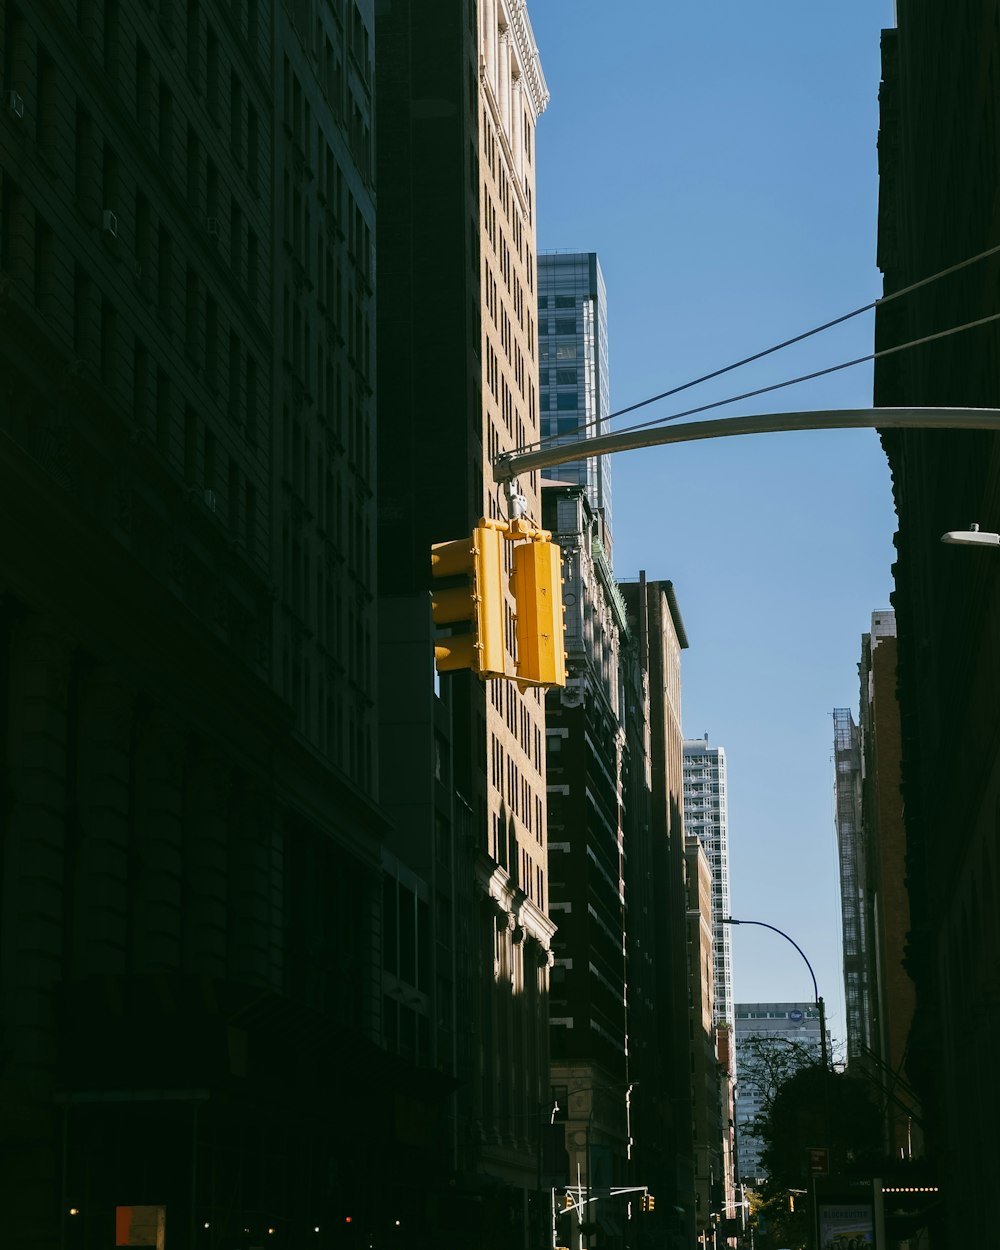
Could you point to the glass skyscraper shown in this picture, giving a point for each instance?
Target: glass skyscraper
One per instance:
(574, 396)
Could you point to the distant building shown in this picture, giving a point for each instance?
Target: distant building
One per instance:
(585, 759)
(706, 816)
(873, 875)
(771, 1039)
(706, 1084)
(657, 950)
(706, 819)
(853, 882)
(574, 393)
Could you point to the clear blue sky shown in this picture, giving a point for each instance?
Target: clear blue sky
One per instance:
(721, 160)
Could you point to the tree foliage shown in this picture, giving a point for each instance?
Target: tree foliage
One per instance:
(768, 1060)
(812, 1107)
(819, 1107)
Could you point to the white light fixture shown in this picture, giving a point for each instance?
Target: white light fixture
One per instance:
(972, 537)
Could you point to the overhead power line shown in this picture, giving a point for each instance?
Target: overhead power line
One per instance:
(819, 373)
(777, 347)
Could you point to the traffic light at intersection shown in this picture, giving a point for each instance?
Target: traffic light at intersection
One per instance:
(468, 593)
(469, 601)
(536, 581)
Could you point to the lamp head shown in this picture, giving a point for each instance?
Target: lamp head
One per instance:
(972, 537)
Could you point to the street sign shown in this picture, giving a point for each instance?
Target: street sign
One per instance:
(818, 1160)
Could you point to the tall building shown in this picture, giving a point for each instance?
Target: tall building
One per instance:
(706, 816)
(772, 1041)
(574, 388)
(460, 88)
(706, 1087)
(938, 185)
(706, 821)
(879, 993)
(851, 851)
(889, 909)
(585, 748)
(190, 916)
(660, 1050)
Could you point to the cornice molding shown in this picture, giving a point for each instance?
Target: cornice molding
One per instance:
(533, 80)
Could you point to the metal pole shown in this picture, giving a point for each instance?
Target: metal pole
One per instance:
(816, 996)
(511, 464)
(195, 1107)
(590, 1118)
(822, 1029)
(64, 1173)
(538, 1222)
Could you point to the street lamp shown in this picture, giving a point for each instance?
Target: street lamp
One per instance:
(816, 995)
(972, 537)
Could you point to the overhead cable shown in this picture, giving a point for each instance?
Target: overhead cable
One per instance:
(819, 373)
(769, 351)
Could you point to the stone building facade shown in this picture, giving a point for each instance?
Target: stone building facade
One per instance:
(190, 913)
(460, 89)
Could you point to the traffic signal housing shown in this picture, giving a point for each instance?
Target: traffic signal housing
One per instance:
(536, 583)
(469, 600)
(468, 597)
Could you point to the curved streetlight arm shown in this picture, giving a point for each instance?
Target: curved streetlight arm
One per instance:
(816, 994)
(510, 465)
(781, 933)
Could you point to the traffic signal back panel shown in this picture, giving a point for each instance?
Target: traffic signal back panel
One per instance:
(469, 592)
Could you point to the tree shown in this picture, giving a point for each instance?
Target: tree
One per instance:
(768, 1060)
(817, 1106)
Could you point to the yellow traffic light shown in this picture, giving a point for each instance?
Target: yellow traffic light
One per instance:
(474, 598)
(536, 582)
(650, 1202)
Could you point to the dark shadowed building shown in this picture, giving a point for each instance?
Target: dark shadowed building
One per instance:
(460, 89)
(939, 179)
(585, 748)
(190, 910)
(659, 985)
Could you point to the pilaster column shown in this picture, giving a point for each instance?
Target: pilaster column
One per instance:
(156, 898)
(32, 924)
(517, 130)
(206, 866)
(253, 828)
(488, 17)
(503, 77)
(34, 848)
(494, 39)
(100, 878)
